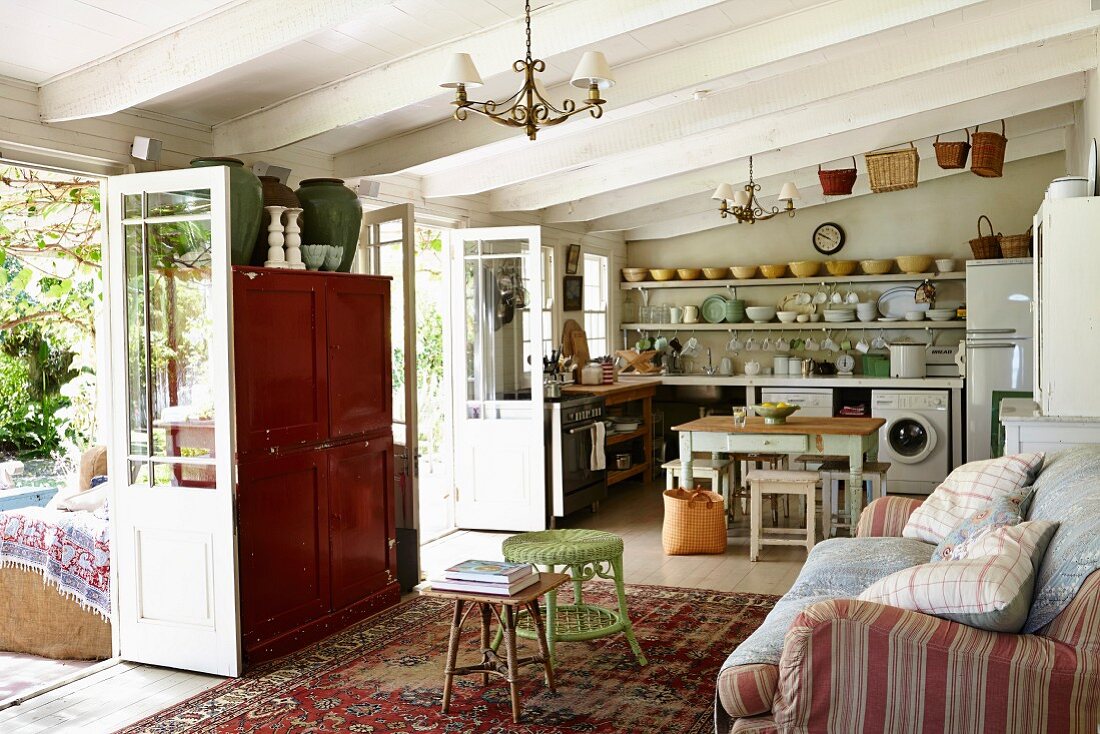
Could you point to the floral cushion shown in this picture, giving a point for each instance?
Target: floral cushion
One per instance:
(990, 588)
(1007, 510)
(966, 490)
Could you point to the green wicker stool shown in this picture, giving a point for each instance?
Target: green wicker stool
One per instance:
(587, 554)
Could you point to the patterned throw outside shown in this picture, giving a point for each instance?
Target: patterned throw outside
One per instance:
(386, 675)
(70, 549)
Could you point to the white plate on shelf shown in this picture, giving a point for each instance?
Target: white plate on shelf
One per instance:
(900, 301)
(889, 318)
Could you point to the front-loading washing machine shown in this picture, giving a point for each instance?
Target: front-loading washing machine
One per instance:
(916, 439)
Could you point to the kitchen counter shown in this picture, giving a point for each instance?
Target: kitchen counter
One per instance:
(624, 385)
(1025, 409)
(927, 383)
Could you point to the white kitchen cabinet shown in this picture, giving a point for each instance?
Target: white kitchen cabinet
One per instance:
(1026, 429)
(1067, 316)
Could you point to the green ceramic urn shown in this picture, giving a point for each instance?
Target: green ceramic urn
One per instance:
(331, 215)
(246, 201)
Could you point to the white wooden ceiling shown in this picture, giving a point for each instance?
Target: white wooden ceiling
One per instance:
(792, 82)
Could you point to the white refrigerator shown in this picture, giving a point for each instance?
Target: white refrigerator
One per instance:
(998, 342)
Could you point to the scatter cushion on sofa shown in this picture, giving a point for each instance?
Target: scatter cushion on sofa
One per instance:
(966, 490)
(1003, 511)
(990, 588)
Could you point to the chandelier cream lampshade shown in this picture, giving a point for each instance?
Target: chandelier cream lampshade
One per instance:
(460, 72)
(744, 206)
(530, 107)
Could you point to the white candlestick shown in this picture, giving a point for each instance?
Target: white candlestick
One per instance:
(293, 239)
(275, 256)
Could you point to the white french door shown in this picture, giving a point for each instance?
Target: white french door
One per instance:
(387, 247)
(497, 369)
(174, 546)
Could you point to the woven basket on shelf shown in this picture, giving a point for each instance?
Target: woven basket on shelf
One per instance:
(987, 159)
(952, 154)
(1016, 245)
(893, 170)
(986, 247)
(837, 181)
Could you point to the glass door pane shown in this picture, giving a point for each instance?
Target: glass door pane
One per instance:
(169, 335)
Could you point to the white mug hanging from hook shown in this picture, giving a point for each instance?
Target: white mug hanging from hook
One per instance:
(734, 345)
(829, 345)
(879, 342)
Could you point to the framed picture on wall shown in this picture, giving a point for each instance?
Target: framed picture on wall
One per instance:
(573, 293)
(572, 259)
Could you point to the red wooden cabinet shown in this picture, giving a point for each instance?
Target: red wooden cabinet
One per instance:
(280, 360)
(364, 553)
(315, 454)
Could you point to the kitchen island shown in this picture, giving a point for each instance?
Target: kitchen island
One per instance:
(639, 390)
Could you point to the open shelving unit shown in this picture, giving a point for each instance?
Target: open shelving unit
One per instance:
(808, 326)
(816, 280)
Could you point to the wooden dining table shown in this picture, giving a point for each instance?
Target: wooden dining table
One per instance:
(851, 437)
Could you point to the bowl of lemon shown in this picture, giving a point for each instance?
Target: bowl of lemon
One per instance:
(774, 414)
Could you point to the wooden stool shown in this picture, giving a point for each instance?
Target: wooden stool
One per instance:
(770, 461)
(719, 472)
(835, 472)
(506, 615)
(799, 483)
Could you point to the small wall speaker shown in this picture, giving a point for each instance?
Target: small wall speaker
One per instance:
(270, 169)
(369, 188)
(146, 149)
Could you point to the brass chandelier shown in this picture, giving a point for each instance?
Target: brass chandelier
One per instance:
(528, 108)
(744, 205)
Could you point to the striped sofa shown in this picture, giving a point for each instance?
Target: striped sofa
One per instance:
(824, 661)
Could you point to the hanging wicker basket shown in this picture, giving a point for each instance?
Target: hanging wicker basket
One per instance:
(952, 154)
(988, 156)
(986, 247)
(1016, 245)
(893, 170)
(837, 181)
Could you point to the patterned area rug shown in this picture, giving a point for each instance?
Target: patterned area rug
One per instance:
(386, 675)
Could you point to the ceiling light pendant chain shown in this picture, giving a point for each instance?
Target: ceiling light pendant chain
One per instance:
(744, 206)
(528, 108)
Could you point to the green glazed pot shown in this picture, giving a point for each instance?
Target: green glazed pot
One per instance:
(331, 215)
(246, 201)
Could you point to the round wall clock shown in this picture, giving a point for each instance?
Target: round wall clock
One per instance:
(828, 238)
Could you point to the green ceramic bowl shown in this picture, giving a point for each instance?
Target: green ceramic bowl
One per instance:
(774, 415)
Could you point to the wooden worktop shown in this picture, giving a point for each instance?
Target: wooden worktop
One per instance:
(793, 426)
(616, 388)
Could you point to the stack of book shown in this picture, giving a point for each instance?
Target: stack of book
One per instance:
(499, 578)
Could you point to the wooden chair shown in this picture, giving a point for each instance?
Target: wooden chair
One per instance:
(802, 484)
(833, 473)
(742, 463)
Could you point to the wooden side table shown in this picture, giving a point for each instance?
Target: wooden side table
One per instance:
(505, 609)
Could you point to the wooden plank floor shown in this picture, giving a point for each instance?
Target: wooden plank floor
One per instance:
(110, 699)
(634, 512)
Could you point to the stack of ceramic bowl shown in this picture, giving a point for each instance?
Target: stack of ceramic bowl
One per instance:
(840, 314)
(941, 314)
(635, 275)
(735, 311)
(867, 311)
(760, 314)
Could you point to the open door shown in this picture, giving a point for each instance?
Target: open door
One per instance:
(497, 368)
(173, 548)
(387, 247)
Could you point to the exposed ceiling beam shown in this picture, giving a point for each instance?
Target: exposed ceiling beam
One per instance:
(560, 28)
(910, 56)
(698, 65)
(1027, 146)
(241, 32)
(798, 163)
(900, 99)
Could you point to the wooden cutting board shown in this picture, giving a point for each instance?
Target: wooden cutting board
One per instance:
(580, 347)
(567, 330)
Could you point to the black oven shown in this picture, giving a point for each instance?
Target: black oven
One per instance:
(574, 483)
